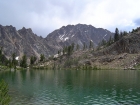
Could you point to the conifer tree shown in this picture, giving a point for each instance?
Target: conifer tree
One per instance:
(23, 62)
(116, 36)
(91, 46)
(14, 61)
(42, 57)
(58, 52)
(70, 50)
(32, 60)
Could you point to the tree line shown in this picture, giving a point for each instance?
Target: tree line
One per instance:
(12, 62)
(68, 50)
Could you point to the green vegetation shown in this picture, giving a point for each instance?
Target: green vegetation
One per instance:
(116, 35)
(135, 30)
(32, 60)
(5, 63)
(91, 45)
(105, 43)
(23, 62)
(4, 96)
(42, 57)
(14, 62)
(68, 50)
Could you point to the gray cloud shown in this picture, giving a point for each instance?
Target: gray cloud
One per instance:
(44, 16)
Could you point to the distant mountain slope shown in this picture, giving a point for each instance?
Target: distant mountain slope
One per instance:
(122, 54)
(21, 42)
(24, 41)
(78, 34)
(127, 44)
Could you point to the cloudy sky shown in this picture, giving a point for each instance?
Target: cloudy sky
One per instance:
(44, 16)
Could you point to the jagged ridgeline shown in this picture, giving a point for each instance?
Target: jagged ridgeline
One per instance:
(24, 41)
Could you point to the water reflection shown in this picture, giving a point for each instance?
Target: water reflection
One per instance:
(44, 87)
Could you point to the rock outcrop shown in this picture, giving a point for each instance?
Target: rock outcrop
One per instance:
(21, 42)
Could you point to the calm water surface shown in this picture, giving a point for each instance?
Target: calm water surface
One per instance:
(70, 87)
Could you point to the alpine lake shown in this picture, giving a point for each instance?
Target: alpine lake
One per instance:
(73, 87)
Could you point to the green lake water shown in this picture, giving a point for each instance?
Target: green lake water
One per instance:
(73, 87)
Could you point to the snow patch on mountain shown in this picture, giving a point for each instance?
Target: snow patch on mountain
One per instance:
(72, 36)
(66, 38)
(61, 37)
(104, 36)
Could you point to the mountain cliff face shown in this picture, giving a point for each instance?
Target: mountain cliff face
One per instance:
(78, 34)
(24, 41)
(127, 44)
(21, 42)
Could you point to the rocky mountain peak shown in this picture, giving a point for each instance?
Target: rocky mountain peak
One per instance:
(78, 34)
(24, 30)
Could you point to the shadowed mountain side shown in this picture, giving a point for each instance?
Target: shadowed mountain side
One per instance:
(23, 41)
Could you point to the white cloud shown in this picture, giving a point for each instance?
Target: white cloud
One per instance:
(45, 16)
(111, 13)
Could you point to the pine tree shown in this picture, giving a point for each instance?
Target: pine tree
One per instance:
(58, 52)
(125, 33)
(91, 46)
(23, 62)
(14, 61)
(70, 50)
(42, 57)
(10, 63)
(116, 36)
(32, 60)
